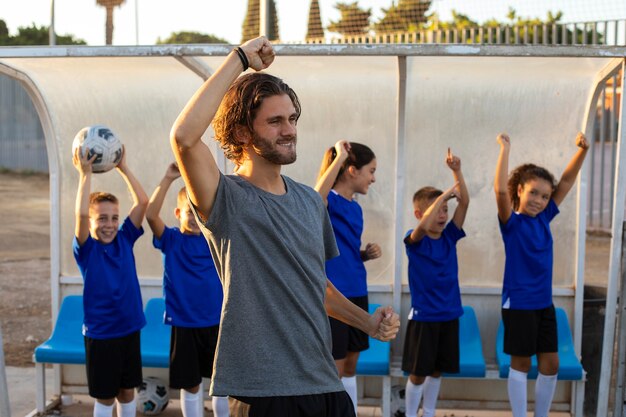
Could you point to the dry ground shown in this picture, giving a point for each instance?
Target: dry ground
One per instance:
(25, 264)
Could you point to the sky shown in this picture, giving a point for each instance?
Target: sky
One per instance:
(144, 21)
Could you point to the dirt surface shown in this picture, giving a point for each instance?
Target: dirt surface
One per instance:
(25, 264)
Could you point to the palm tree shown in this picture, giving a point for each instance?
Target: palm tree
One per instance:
(109, 4)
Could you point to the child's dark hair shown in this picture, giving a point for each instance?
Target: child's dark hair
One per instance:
(359, 156)
(101, 197)
(425, 195)
(524, 173)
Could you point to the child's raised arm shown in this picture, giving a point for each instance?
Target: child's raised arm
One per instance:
(462, 195)
(568, 179)
(156, 201)
(328, 176)
(430, 215)
(503, 200)
(81, 210)
(140, 198)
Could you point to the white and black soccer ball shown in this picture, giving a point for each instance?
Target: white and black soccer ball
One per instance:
(103, 143)
(397, 400)
(152, 396)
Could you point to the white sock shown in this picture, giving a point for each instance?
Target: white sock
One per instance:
(349, 383)
(101, 410)
(220, 406)
(190, 403)
(431, 392)
(517, 392)
(128, 409)
(412, 398)
(544, 391)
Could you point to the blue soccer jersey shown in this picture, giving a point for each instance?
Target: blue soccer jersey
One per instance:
(347, 271)
(193, 291)
(434, 276)
(528, 266)
(111, 294)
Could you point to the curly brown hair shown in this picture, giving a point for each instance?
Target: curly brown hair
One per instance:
(240, 105)
(524, 173)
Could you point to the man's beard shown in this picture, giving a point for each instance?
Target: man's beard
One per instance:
(270, 151)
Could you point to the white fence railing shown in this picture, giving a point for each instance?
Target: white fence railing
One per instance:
(604, 32)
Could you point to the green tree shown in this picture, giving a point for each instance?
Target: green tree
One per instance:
(315, 30)
(407, 16)
(250, 29)
(34, 35)
(353, 21)
(4, 29)
(109, 5)
(190, 38)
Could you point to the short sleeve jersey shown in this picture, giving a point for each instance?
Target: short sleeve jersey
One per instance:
(192, 289)
(346, 271)
(434, 276)
(111, 295)
(528, 265)
(270, 251)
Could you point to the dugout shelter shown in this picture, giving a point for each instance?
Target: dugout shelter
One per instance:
(409, 103)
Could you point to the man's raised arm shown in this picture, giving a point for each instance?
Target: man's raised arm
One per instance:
(195, 161)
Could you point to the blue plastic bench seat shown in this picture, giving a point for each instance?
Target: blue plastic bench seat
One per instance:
(570, 368)
(472, 362)
(375, 360)
(66, 344)
(155, 336)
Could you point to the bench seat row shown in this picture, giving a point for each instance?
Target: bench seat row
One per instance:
(66, 346)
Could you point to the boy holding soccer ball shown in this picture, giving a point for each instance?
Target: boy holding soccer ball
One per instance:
(112, 303)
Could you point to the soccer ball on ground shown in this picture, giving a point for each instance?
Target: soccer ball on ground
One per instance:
(101, 142)
(397, 400)
(152, 396)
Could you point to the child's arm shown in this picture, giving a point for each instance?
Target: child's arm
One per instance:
(462, 195)
(568, 179)
(503, 200)
(156, 201)
(325, 182)
(195, 160)
(84, 168)
(430, 215)
(140, 198)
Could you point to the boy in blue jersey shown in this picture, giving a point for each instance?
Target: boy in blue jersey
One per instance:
(193, 298)
(431, 345)
(111, 296)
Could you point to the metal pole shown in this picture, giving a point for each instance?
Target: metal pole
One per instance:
(51, 35)
(621, 359)
(608, 339)
(263, 17)
(136, 22)
(5, 408)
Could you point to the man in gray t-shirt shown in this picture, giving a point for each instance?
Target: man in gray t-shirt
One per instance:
(270, 237)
